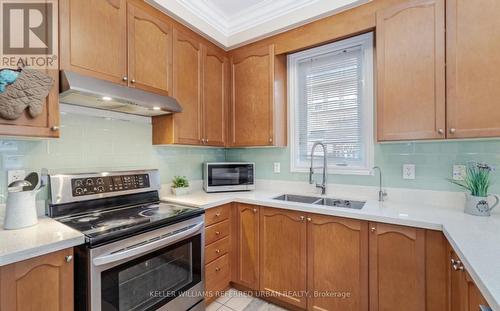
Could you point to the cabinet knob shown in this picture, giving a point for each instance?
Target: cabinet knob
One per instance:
(373, 229)
(132, 81)
(309, 219)
(68, 258)
(254, 210)
(217, 269)
(217, 251)
(440, 131)
(302, 218)
(217, 214)
(270, 139)
(452, 130)
(206, 140)
(125, 78)
(54, 128)
(217, 232)
(458, 267)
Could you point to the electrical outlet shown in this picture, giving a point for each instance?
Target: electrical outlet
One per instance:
(15, 175)
(408, 171)
(459, 172)
(277, 167)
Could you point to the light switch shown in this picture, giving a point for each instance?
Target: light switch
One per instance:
(277, 167)
(408, 171)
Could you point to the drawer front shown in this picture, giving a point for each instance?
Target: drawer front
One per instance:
(217, 214)
(217, 275)
(216, 232)
(216, 249)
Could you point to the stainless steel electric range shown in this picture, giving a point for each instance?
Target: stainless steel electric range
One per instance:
(140, 253)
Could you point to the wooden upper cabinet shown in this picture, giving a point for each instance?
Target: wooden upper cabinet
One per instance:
(258, 108)
(397, 268)
(93, 38)
(187, 87)
(411, 84)
(46, 124)
(40, 283)
(149, 51)
(283, 255)
(337, 255)
(246, 267)
(473, 28)
(215, 96)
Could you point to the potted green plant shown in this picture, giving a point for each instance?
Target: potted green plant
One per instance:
(180, 185)
(477, 182)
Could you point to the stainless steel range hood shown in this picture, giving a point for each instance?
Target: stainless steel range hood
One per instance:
(80, 90)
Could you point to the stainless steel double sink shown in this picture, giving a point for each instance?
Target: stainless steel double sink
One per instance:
(321, 201)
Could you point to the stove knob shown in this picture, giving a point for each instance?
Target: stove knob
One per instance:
(100, 189)
(100, 181)
(79, 183)
(89, 182)
(78, 190)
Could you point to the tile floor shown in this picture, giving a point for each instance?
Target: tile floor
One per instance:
(237, 301)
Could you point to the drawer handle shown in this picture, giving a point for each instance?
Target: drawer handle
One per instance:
(68, 258)
(217, 251)
(217, 215)
(217, 269)
(254, 210)
(217, 232)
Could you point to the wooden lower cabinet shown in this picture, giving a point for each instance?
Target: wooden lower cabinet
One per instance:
(337, 263)
(40, 283)
(217, 251)
(397, 268)
(464, 294)
(283, 255)
(246, 246)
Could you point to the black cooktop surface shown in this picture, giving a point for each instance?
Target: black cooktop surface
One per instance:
(106, 226)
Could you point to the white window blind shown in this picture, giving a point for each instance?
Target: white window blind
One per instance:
(333, 104)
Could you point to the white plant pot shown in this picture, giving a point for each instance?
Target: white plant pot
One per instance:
(479, 206)
(180, 191)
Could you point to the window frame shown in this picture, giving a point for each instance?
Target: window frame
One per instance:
(366, 41)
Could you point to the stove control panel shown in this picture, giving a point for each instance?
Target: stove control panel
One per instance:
(106, 184)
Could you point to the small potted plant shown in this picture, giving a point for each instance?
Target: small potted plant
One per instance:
(180, 185)
(477, 182)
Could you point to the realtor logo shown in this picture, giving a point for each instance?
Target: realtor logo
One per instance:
(29, 33)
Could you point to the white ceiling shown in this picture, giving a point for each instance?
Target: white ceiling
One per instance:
(234, 22)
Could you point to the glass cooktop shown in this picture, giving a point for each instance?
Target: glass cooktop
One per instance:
(108, 225)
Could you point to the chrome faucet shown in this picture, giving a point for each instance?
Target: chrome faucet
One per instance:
(325, 168)
(381, 193)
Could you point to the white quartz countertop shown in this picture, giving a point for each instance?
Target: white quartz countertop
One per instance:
(475, 239)
(46, 237)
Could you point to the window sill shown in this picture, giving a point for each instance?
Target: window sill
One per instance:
(336, 171)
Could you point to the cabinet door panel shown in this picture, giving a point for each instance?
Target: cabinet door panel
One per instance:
(187, 88)
(472, 71)
(247, 246)
(397, 268)
(215, 97)
(411, 71)
(150, 51)
(337, 251)
(252, 97)
(42, 281)
(94, 38)
(44, 125)
(283, 255)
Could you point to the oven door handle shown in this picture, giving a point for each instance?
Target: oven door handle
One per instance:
(143, 248)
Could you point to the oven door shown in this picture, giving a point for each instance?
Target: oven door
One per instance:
(229, 175)
(158, 270)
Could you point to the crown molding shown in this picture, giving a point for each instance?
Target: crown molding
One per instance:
(253, 23)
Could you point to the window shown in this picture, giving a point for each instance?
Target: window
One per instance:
(331, 101)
